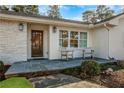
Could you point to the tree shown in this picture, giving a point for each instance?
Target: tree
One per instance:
(89, 16)
(54, 11)
(103, 12)
(4, 7)
(31, 9)
(28, 9)
(18, 8)
(122, 9)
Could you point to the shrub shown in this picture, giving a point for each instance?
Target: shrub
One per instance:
(2, 77)
(90, 68)
(115, 66)
(1, 66)
(71, 71)
(120, 63)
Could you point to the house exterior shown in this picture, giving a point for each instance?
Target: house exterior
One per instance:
(24, 37)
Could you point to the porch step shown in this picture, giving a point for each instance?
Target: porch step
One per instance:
(44, 66)
(40, 66)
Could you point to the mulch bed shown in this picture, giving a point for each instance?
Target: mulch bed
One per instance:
(114, 80)
(33, 74)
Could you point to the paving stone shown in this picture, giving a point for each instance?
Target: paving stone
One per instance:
(61, 80)
(37, 85)
(44, 65)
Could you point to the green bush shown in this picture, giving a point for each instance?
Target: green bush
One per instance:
(1, 66)
(90, 68)
(71, 71)
(113, 65)
(120, 63)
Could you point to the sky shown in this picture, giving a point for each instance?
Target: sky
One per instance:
(74, 12)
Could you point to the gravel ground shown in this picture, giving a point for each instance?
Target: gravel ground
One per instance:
(81, 84)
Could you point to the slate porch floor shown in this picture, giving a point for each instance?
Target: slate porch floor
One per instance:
(46, 65)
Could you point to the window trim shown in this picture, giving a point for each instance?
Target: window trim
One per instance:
(69, 38)
(63, 38)
(74, 39)
(83, 40)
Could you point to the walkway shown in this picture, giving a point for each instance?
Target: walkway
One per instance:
(62, 81)
(45, 65)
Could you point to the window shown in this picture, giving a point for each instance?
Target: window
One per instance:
(83, 39)
(63, 38)
(73, 39)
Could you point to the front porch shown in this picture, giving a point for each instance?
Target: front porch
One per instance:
(46, 65)
(48, 41)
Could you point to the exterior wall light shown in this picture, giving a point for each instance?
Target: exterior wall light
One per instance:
(54, 29)
(21, 26)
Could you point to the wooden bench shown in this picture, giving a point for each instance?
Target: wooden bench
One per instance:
(88, 52)
(66, 54)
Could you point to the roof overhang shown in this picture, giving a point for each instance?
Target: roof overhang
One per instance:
(29, 19)
(111, 22)
(9, 15)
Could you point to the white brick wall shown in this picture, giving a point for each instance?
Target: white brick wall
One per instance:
(13, 43)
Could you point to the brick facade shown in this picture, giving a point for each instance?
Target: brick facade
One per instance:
(13, 43)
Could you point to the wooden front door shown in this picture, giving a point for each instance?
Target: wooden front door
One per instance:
(37, 43)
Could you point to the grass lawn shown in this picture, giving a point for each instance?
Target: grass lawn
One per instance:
(16, 82)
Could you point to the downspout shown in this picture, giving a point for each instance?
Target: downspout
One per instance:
(107, 28)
